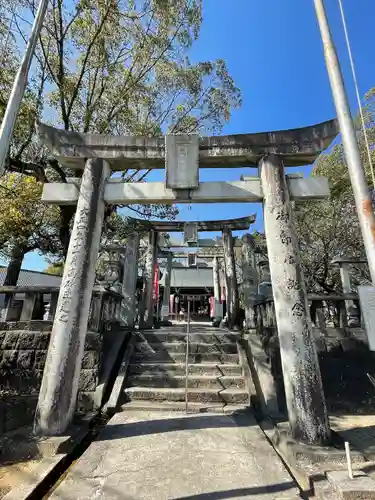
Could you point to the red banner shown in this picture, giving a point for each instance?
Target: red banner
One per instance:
(212, 306)
(155, 291)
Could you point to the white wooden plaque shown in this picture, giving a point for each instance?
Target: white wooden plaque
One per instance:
(218, 310)
(164, 311)
(190, 232)
(182, 161)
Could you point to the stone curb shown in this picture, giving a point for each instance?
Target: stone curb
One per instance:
(32, 481)
(118, 385)
(50, 464)
(361, 487)
(310, 465)
(109, 364)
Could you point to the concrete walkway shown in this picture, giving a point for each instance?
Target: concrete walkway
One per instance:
(172, 456)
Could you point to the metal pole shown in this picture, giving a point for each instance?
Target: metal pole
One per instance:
(348, 460)
(187, 356)
(19, 86)
(352, 154)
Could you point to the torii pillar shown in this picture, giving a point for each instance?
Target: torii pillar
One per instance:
(249, 279)
(344, 266)
(146, 316)
(217, 296)
(265, 287)
(129, 283)
(58, 392)
(301, 372)
(345, 277)
(167, 289)
(231, 280)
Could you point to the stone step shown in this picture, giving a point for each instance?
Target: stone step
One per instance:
(207, 338)
(194, 347)
(162, 406)
(233, 396)
(194, 381)
(325, 493)
(361, 487)
(178, 357)
(213, 369)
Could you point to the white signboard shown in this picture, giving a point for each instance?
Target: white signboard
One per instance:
(218, 310)
(164, 311)
(190, 232)
(367, 301)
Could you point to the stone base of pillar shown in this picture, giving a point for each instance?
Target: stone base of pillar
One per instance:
(165, 322)
(216, 322)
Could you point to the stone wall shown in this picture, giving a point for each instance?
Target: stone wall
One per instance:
(344, 365)
(23, 351)
(344, 359)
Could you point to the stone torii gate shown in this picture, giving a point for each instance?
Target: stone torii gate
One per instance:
(216, 255)
(181, 156)
(191, 230)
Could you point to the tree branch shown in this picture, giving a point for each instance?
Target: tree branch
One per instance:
(54, 164)
(27, 168)
(39, 100)
(198, 99)
(146, 69)
(86, 58)
(74, 17)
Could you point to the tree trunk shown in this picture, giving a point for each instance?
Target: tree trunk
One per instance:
(14, 266)
(66, 215)
(13, 271)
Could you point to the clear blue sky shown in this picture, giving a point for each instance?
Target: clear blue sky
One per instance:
(274, 53)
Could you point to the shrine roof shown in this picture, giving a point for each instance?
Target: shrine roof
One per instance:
(185, 277)
(241, 223)
(203, 244)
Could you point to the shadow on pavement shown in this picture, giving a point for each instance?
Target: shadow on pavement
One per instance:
(143, 428)
(241, 492)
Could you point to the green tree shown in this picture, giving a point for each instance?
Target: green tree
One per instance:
(326, 230)
(123, 68)
(26, 223)
(329, 229)
(56, 268)
(114, 67)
